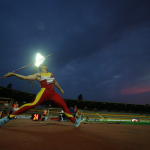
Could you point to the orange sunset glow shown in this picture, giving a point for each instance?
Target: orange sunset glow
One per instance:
(135, 90)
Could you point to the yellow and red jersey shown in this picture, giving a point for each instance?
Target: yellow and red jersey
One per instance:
(47, 81)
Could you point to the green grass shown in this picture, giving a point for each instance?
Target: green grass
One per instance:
(121, 122)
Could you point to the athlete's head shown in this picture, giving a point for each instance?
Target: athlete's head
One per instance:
(43, 67)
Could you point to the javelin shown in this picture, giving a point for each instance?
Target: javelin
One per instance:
(26, 66)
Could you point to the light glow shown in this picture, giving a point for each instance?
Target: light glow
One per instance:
(39, 59)
(36, 117)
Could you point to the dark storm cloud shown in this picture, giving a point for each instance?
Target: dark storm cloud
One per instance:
(120, 65)
(107, 27)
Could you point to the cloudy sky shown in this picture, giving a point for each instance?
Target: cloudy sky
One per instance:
(101, 48)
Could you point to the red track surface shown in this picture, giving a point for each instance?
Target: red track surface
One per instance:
(53, 135)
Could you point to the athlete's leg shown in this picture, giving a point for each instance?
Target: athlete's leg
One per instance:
(57, 99)
(40, 97)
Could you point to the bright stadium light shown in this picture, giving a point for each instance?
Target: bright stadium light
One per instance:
(39, 59)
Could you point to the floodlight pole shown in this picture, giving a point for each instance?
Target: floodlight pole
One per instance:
(32, 82)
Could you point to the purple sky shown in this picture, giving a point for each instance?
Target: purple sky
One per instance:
(101, 48)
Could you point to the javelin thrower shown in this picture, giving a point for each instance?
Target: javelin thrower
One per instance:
(47, 92)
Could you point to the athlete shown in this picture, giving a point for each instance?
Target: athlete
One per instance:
(47, 92)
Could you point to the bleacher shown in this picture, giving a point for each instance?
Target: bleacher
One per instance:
(91, 115)
(114, 116)
(124, 116)
(93, 110)
(5, 109)
(2, 103)
(53, 113)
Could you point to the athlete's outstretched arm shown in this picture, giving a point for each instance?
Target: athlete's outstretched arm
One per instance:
(30, 77)
(57, 85)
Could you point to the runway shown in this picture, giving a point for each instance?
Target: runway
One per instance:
(52, 135)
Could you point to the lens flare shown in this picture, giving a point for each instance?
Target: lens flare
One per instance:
(39, 59)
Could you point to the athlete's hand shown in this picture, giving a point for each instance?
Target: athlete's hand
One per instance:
(9, 74)
(62, 91)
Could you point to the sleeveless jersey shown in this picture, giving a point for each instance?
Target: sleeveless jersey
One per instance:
(47, 81)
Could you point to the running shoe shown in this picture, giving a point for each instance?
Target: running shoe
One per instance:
(4, 120)
(77, 121)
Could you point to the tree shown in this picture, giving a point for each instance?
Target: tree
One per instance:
(80, 97)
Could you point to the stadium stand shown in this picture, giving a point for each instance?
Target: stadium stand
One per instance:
(5, 109)
(90, 109)
(123, 116)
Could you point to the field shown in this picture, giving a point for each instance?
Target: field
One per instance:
(52, 135)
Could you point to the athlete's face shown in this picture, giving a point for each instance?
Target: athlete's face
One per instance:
(45, 67)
